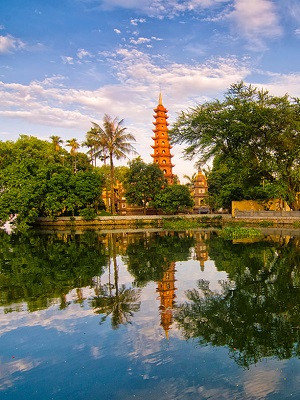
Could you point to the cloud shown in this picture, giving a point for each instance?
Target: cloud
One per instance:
(140, 40)
(10, 370)
(81, 53)
(117, 31)
(136, 21)
(292, 9)
(139, 78)
(256, 21)
(67, 60)
(51, 103)
(160, 8)
(9, 44)
(297, 32)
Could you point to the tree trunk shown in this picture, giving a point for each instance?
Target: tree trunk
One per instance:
(112, 180)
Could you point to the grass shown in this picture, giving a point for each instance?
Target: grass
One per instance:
(238, 232)
(184, 224)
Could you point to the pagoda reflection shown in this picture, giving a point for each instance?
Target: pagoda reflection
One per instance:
(166, 290)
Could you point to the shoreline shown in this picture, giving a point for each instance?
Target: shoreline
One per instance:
(157, 221)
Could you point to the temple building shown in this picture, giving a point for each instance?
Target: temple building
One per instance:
(162, 148)
(200, 191)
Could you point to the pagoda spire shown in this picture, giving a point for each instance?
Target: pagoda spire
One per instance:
(162, 149)
(160, 99)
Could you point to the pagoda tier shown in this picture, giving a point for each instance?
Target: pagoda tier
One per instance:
(162, 148)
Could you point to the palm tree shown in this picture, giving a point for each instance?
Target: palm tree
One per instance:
(115, 142)
(73, 143)
(56, 141)
(94, 143)
(191, 180)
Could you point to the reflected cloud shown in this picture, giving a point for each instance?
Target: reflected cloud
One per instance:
(9, 369)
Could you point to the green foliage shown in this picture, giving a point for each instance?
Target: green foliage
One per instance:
(173, 199)
(143, 183)
(230, 232)
(88, 214)
(265, 223)
(255, 140)
(116, 144)
(37, 179)
(179, 223)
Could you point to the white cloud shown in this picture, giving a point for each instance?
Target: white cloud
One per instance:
(292, 8)
(140, 40)
(67, 60)
(160, 8)
(117, 31)
(136, 21)
(50, 103)
(9, 44)
(297, 32)
(256, 21)
(81, 53)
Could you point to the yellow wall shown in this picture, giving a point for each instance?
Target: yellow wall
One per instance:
(252, 205)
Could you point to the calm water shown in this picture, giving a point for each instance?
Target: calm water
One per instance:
(149, 315)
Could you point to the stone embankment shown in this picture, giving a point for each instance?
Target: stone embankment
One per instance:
(276, 219)
(121, 221)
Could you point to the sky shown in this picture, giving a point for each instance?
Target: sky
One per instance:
(66, 63)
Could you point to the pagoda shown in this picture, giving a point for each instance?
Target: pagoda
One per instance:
(162, 148)
(200, 192)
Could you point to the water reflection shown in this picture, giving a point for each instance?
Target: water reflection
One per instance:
(119, 305)
(256, 315)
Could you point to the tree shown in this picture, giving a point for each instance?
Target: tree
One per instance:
(255, 133)
(190, 180)
(73, 143)
(35, 182)
(94, 143)
(116, 142)
(173, 199)
(57, 142)
(143, 182)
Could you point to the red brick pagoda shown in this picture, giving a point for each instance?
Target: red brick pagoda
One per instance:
(162, 148)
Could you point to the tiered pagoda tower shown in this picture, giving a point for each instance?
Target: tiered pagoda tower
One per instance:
(162, 148)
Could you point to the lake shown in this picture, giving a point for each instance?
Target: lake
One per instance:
(149, 315)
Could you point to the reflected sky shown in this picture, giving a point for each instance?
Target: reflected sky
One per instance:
(68, 350)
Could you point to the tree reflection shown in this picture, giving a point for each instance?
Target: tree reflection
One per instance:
(119, 302)
(150, 256)
(38, 269)
(256, 314)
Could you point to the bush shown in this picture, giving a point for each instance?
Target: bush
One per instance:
(88, 214)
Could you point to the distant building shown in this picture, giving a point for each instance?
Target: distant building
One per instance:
(200, 192)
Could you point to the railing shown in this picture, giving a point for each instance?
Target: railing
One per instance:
(267, 214)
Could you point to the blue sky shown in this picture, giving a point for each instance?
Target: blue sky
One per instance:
(65, 63)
